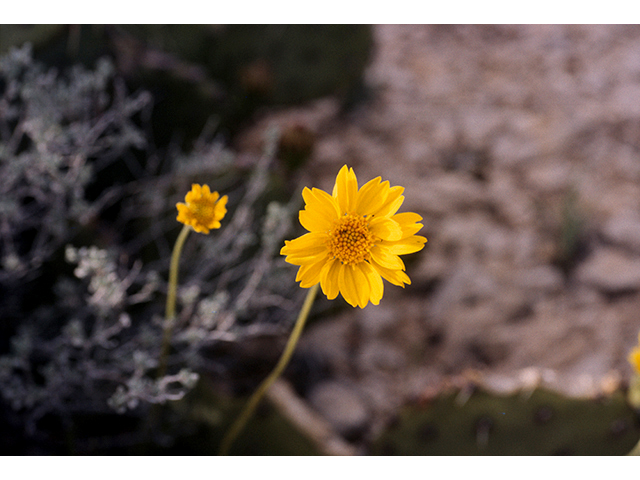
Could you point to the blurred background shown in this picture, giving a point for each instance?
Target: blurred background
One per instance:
(518, 145)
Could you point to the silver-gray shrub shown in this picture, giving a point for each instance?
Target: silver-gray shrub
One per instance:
(56, 133)
(92, 344)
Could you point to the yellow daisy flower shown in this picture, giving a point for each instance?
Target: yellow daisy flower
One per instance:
(634, 357)
(354, 239)
(203, 209)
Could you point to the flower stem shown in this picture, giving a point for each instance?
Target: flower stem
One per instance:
(170, 311)
(253, 402)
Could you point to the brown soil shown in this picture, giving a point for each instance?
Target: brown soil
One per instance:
(520, 147)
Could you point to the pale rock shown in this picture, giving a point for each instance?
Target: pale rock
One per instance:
(418, 153)
(625, 100)
(626, 161)
(509, 150)
(610, 270)
(341, 406)
(374, 320)
(526, 243)
(549, 177)
(465, 229)
(329, 341)
(464, 279)
(497, 242)
(479, 123)
(543, 278)
(445, 193)
(380, 355)
(432, 266)
(443, 134)
(330, 150)
(624, 230)
(512, 204)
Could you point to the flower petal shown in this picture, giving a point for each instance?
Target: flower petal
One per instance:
(313, 222)
(383, 257)
(361, 285)
(376, 286)
(304, 242)
(308, 248)
(408, 223)
(392, 203)
(405, 246)
(307, 257)
(397, 277)
(385, 228)
(347, 285)
(371, 196)
(345, 189)
(319, 203)
(329, 278)
(309, 275)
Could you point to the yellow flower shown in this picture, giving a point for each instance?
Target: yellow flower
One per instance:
(354, 239)
(634, 357)
(203, 210)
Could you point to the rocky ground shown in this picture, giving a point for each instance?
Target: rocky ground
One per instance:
(520, 147)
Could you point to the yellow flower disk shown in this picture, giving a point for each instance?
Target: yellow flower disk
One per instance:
(355, 239)
(203, 209)
(634, 357)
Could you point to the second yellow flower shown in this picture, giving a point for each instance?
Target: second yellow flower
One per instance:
(203, 209)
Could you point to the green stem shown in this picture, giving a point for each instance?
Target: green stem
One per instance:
(251, 405)
(170, 311)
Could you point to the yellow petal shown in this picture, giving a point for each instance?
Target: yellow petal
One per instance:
(300, 245)
(307, 257)
(371, 196)
(397, 277)
(347, 285)
(182, 208)
(385, 228)
(406, 245)
(198, 227)
(392, 203)
(345, 189)
(408, 223)
(361, 283)
(320, 203)
(313, 222)
(221, 207)
(309, 275)
(375, 282)
(383, 257)
(329, 278)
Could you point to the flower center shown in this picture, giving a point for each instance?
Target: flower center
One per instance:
(203, 211)
(350, 240)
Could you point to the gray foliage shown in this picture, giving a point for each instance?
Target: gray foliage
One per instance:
(94, 348)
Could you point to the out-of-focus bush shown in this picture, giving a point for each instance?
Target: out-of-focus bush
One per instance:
(87, 219)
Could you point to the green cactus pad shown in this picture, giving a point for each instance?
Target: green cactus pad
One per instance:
(540, 422)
